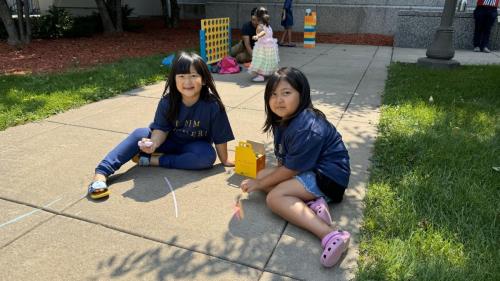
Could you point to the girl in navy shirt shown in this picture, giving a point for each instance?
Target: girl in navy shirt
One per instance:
(190, 118)
(313, 162)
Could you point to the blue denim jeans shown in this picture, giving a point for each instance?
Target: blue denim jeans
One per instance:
(190, 156)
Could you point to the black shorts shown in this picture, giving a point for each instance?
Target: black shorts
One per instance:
(330, 188)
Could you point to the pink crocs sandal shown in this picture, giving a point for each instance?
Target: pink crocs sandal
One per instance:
(320, 207)
(334, 244)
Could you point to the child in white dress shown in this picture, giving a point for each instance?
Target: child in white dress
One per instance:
(265, 56)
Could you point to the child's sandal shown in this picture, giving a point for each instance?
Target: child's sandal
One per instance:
(334, 244)
(320, 207)
(93, 188)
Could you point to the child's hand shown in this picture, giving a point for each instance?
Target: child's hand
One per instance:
(146, 146)
(255, 38)
(228, 163)
(250, 185)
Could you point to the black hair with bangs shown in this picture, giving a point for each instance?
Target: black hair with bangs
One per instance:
(299, 82)
(181, 65)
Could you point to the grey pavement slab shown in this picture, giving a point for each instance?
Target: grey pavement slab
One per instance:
(301, 51)
(198, 214)
(13, 136)
(129, 113)
(465, 57)
(362, 113)
(298, 252)
(88, 110)
(56, 165)
(247, 125)
(359, 138)
(138, 233)
(273, 277)
(296, 60)
(235, 93)
(17, 219)
(353, 52)
(69, 249)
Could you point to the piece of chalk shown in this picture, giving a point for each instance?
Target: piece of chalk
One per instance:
(145, 143)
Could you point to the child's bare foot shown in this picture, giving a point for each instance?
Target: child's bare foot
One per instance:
(154, 160)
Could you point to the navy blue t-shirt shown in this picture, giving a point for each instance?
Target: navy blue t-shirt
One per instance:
(311, 143)
(203, 120)
(249, 30)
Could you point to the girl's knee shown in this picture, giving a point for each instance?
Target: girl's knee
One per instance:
(207, 161)
(273, 197)
(206, 156)
(140, 133)
(270, 198)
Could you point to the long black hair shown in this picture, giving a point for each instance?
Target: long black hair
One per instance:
(181, 65)
(299, 82)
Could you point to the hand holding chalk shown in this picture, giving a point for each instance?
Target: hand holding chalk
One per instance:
(145, 143)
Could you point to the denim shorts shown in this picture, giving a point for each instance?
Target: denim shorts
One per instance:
(308, 180)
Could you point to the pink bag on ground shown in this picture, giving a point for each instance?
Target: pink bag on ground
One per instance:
(228, 65)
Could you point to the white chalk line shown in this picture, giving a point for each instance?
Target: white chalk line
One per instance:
(173, 195)
(27, 214)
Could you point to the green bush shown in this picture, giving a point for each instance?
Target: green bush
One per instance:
(55, 24)
(59, 23)
(85, 26)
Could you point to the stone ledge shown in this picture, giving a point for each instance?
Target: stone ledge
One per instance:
(416, 29)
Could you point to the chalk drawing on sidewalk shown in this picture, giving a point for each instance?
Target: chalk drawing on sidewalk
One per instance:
(173, 196)
(27, 214)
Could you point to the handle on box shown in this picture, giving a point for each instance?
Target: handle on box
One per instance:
(245, 144)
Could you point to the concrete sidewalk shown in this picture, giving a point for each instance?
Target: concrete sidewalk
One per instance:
(49, 230)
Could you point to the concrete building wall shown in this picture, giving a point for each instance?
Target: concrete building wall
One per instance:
(416, 29)
(334, 16)
(411, 22)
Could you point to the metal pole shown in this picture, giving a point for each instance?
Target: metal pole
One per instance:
(441, 51)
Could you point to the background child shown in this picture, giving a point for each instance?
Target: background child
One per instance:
(189, 118)
(485, 15)
(313, 162)
(287, 23)
(265, 57)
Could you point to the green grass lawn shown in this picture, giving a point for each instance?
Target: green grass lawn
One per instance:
(433, 202)
(34, 97)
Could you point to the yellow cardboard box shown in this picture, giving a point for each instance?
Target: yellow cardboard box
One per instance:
(250, 158)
